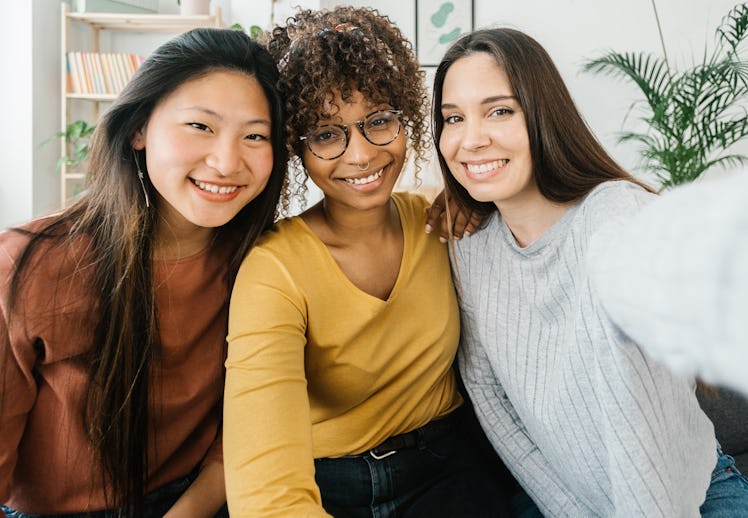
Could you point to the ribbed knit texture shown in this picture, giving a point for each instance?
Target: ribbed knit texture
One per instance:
(587, 423)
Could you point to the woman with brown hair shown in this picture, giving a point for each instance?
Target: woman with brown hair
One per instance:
(340, 394)
(588, 423)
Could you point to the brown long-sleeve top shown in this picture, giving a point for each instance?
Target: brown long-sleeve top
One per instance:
(46, 460)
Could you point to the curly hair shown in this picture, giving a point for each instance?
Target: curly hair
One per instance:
(321, 53)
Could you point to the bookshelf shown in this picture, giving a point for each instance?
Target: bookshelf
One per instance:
(96, 23)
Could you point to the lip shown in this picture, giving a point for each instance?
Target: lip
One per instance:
(223, 191)
(376, 182)
(484, 169)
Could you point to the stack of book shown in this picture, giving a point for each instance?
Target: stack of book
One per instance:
(100, 73)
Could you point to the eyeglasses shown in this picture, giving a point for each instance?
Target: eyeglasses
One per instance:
(330, 141)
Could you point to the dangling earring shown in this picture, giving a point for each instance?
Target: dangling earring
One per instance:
(140, 177)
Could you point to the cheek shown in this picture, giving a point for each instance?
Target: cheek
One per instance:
(261, 162)
(448, 144)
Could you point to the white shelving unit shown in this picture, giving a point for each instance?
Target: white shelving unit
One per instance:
(97, 22)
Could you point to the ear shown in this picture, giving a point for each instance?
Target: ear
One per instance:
(138, 140)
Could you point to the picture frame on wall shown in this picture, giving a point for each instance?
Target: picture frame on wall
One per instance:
(438, 24)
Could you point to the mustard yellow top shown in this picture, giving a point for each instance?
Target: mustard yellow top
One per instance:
(318, 368)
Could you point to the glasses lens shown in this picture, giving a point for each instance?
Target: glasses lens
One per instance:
(382, 127)
(327, 141)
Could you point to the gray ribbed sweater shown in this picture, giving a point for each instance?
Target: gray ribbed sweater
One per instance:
(587, 423)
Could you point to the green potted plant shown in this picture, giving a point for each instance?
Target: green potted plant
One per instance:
(693, 116)
(77, 135)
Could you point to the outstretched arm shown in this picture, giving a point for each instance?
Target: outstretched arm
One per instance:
(268, 457)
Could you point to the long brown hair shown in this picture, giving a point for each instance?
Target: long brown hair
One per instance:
(567, 160)
(113, 217)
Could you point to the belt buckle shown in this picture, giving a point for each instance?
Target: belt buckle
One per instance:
(383, 455)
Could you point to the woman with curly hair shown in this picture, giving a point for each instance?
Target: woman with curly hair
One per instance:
(113, 313)
(343, 327)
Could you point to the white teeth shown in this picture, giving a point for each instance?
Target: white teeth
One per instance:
(484, 168)
(364, 181)
(216, 189)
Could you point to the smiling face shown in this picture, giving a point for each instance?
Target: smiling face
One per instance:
(484, 141)
(208, 149)
(365, 174)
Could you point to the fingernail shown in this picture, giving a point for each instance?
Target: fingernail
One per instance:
(442, 240)
(467, 234)
(428, 229)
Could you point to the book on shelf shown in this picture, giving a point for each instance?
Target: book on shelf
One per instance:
(100, 73)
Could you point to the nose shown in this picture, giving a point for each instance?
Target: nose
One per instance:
(360, 150)
(225, 157)
(474, 136)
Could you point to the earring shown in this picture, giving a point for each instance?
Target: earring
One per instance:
(140, 177)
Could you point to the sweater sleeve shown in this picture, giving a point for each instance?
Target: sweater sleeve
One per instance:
(674, 279)
(506, 432)
(268, 457)
(655, 468)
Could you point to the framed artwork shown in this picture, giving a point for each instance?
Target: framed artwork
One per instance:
(438, 24)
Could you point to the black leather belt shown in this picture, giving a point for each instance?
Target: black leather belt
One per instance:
(423, 435)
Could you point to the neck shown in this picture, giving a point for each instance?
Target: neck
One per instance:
(175, 242)
(345, 224)
(528, 220)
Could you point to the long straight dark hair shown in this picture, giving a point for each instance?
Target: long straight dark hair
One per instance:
(112, 215)
(567, 160)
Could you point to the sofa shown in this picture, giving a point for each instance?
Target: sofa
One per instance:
(728, 411)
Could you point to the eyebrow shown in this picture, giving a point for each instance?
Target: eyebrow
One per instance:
(212, 113)
(487, 100)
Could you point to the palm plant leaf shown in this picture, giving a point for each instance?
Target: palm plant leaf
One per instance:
(734, 26)
(692, 116)
(649, 73)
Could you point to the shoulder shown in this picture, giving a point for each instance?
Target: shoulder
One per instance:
(284, 234)
(412, 206)
(614, 197)
(15, 240)
(487, 235)
(287, 246)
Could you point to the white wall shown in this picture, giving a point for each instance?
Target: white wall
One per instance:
(571, 30)
(16, 136)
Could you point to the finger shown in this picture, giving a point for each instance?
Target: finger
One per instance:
(434, 213)
(460, 224)
(472, 224)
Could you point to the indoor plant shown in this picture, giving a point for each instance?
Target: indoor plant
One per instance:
(77, 135)
(693, 116)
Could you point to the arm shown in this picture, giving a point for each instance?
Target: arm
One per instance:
(506, 432)
(17, 386)
(674, 279)
(450, 220)
(655, 468)
(268, 456)
(204, 497)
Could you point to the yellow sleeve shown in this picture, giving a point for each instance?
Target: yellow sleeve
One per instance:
(268, 457)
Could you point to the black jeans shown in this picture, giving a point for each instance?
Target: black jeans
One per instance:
(434, 474)
(157, 503)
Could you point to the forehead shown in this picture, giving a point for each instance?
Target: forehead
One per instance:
(476, 73)
(221, 87)
(337, 109)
